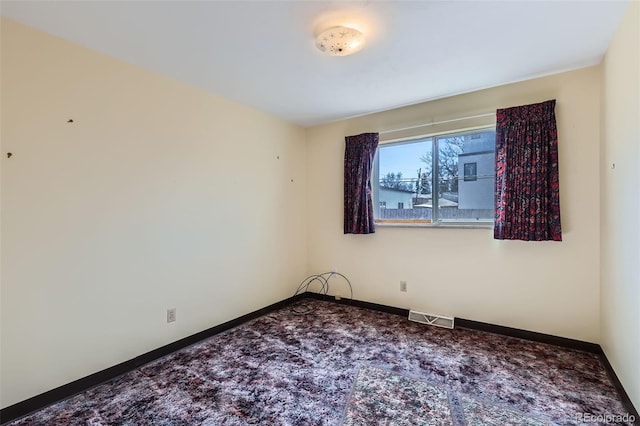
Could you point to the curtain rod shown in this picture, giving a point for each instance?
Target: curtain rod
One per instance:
(436, 122)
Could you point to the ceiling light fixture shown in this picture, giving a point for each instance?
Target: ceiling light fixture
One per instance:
(340, 41)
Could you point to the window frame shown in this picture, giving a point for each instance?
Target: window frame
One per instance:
(435, 221)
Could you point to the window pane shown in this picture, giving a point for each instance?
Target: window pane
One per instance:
(466, 176)
(404, 180)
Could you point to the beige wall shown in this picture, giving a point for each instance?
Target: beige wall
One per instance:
(620, 232)
(540, 286)
(158, 195)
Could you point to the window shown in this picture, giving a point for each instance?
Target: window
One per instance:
(470, 171)
(459, 168)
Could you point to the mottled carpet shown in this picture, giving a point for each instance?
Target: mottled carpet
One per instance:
(345, 365)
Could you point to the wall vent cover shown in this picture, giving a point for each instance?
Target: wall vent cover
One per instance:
(431, 319)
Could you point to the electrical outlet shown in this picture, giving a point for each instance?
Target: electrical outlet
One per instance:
(171, 315)
(338, 296)
(403, 286)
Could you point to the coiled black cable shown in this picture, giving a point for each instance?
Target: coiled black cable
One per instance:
(323, 279)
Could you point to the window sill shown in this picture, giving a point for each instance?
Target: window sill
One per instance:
(429, 224)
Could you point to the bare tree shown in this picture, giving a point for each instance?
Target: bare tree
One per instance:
(395, 181)
(448, 151)
(423, 183)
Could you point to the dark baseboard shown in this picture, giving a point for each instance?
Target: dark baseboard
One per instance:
(530, 335)
(631, 410)
(45, 399)
(475, 325)
(38, 402)
(358, 303)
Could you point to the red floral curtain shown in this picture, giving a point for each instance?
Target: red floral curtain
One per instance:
(358, 205)
(527, 186)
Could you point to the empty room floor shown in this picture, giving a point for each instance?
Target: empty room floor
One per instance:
(344, 365)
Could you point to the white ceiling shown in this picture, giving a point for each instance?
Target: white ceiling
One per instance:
(262, 53)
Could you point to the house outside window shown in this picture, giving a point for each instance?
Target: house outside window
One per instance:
(441, 179)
